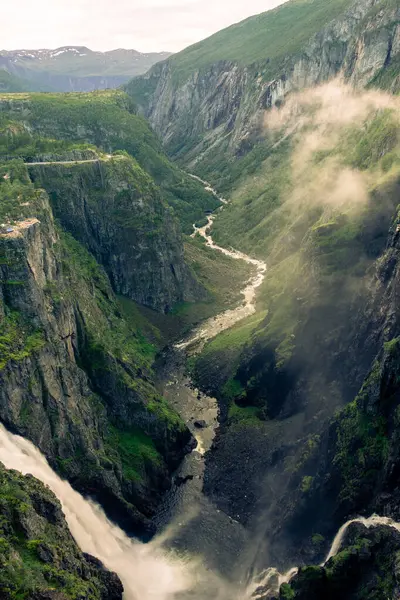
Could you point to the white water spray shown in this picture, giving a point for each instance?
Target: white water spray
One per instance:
(269, 582)
(146, 570)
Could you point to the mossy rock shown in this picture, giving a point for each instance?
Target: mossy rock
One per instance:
(38, 556)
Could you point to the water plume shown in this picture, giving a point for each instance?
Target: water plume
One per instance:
(146, 570)
(333, 104)
(373, 521)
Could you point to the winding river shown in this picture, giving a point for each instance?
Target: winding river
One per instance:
(215, 325)
(194, 556)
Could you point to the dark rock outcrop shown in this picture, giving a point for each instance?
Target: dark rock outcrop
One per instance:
(116, 211)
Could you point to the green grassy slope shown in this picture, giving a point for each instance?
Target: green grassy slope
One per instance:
(261, 37)
(55, 123)
(221, 276)
(319, 209)
(11, 83)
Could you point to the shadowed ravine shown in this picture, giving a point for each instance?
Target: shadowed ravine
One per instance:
(203, 525)
(195, 554)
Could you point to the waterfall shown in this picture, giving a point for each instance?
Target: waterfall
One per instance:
(146, 570)
(372, 521)
(270, 580)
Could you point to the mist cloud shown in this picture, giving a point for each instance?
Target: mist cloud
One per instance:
(318, 119)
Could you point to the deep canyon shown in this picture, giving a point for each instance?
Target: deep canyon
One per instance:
(200, 319)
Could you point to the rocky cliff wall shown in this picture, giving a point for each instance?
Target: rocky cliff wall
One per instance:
(37, 125)
(222, 106)
(74, 377)
(116, 211)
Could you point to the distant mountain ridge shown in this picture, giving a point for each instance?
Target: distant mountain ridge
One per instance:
(75, 68)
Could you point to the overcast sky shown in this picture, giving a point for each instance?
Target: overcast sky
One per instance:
(145, 25)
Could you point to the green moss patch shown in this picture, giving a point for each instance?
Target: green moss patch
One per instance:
(135, 450)
(18, 339)
(243, 414)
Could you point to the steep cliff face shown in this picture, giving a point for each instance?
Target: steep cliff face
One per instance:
(113, 207)
(33, 125)
(195, 116)
(75, 378)
(221, 104)
(38, 556)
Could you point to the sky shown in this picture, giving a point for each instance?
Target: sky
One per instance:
(144, 25)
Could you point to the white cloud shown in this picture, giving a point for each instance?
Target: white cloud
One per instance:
(146, 25)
